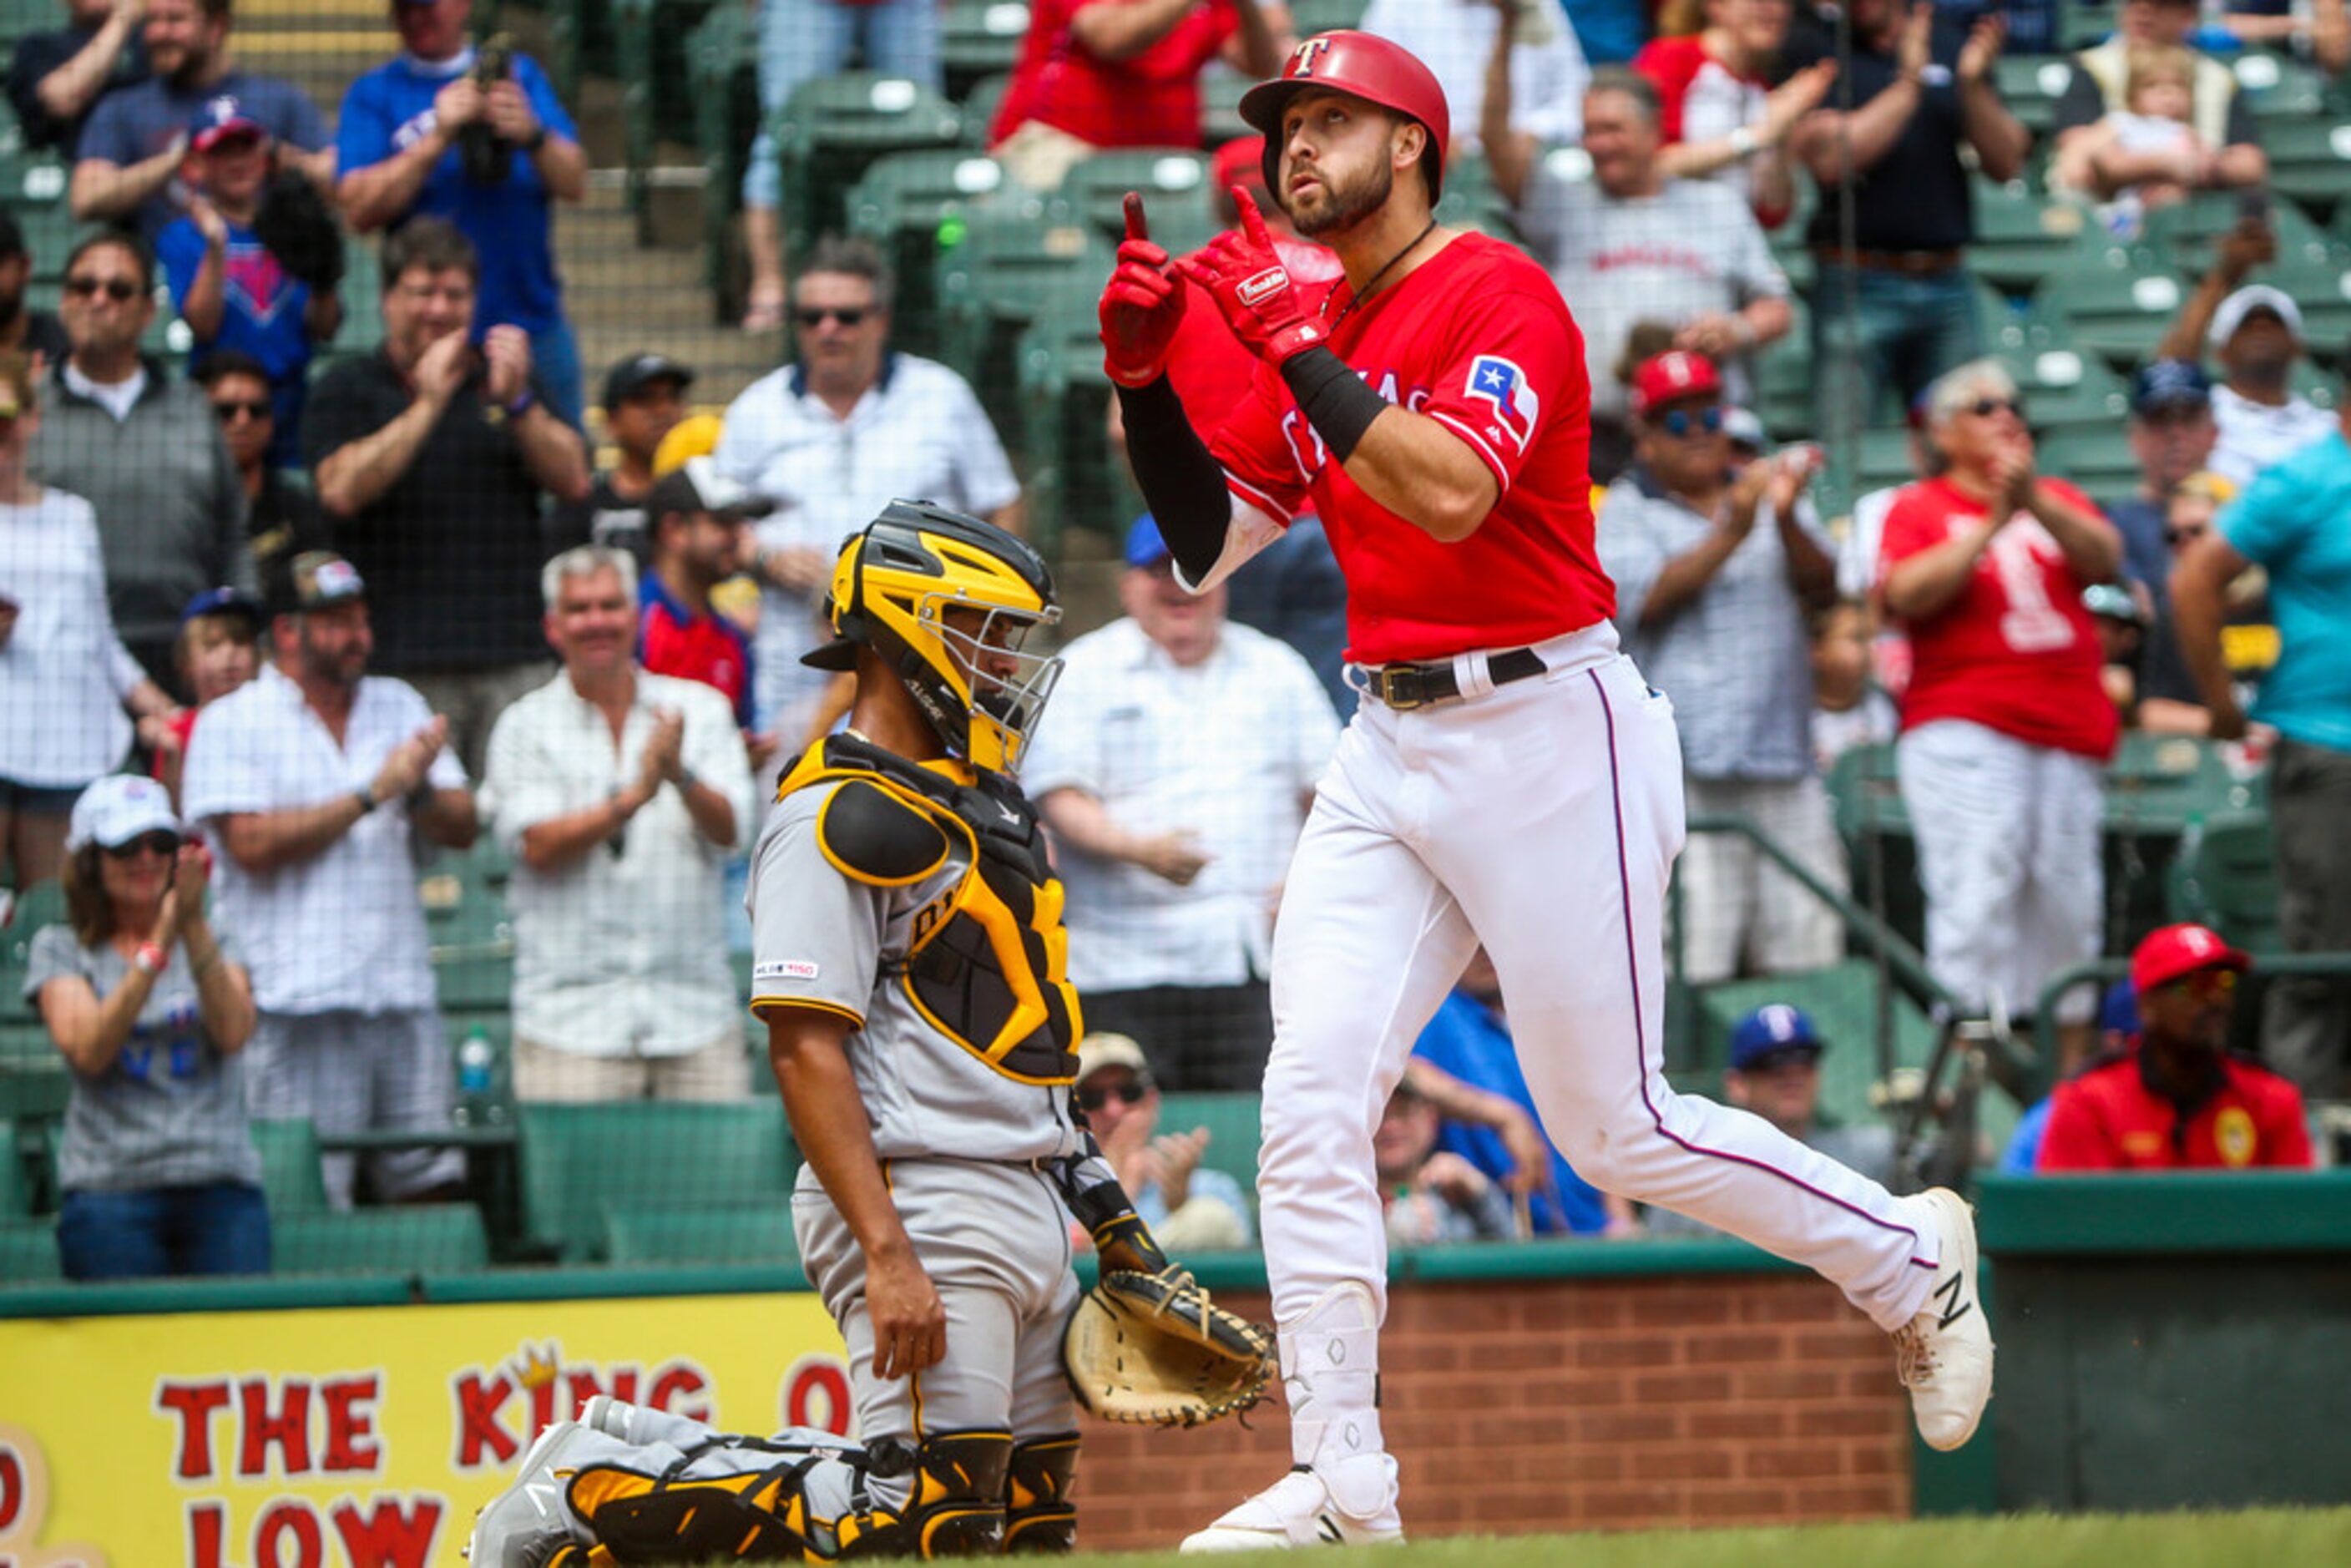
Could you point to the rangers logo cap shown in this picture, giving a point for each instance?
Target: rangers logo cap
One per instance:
(2174, 952)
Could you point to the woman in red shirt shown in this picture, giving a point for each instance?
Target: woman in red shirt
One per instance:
(2005, 726)
(1719, 119)
(1118, 73)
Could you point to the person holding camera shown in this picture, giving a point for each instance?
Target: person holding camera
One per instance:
(230, 284)
(476, 136)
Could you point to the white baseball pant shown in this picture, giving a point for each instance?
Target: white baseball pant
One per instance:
(2008, 856)
(1542, 817)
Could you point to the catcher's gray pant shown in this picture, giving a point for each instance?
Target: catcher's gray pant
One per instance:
(995, 1239)
(355, 1072)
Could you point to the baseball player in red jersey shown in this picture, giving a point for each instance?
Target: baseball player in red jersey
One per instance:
(1508, 778)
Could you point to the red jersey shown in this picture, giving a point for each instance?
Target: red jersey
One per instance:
(671, 639)
(1699, 99)
(2016, 651)
(1149, 100)
(2110, 1119)
(1478, 339)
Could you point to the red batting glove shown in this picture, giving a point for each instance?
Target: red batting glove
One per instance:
(1243, 272)
(1141, 306)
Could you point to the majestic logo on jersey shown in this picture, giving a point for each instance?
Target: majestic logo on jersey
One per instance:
(1302, 57)
(1500, 382)
(1255, 291)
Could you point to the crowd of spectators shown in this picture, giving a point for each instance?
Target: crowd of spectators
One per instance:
(411, 610)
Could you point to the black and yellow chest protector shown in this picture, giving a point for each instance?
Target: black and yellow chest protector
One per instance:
(988, 963)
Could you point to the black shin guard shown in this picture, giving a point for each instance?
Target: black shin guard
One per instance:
(1039, 1515)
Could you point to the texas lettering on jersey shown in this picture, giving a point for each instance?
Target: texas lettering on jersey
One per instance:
(1306, 448)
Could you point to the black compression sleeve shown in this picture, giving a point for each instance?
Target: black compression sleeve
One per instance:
(1181, 481)
(1335, 400)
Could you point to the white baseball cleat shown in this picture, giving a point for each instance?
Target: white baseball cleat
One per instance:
(519, 1527)
(1944, 1354)
(1303, 1508)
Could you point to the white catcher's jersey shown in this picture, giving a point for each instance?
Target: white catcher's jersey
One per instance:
(884, 954)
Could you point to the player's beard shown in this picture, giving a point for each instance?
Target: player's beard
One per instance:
(1347, 205)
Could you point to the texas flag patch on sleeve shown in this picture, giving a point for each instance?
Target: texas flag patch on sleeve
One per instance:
(1500, 382)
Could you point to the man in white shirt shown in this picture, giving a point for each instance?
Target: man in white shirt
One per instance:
(315, 778)
(2257, 337)
(620, 794)
(833, 438)
(1175, 770)
(1455, 38)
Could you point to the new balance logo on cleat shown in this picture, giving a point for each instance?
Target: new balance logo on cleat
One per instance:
(1954, 1309)
(1331, 1531)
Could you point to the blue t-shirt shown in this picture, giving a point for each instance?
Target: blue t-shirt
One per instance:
(134, 124)
(263, 318)
(508, 221)
(1465, 1039)
(2295, 520)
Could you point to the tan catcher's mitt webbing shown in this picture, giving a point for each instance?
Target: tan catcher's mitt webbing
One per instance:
(1153, 1350)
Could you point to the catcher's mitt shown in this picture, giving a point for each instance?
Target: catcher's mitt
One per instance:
(296, 227)
(1151, 1350)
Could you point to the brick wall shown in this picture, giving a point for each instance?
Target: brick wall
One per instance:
(1579, 1405)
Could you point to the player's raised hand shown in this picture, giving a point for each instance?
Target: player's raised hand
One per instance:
(1243, 273)
(1140, 305)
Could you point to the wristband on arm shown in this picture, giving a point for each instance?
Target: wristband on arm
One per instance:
(1184, 485)
(1336, 402)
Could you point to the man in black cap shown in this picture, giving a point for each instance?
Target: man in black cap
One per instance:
(644, 397)
(28, 331)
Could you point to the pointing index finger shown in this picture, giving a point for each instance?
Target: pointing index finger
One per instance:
(1252, 221)
(1137, 228)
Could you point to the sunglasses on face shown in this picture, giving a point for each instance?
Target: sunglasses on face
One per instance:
(1126, 1094)
(1985, 407)
(2206, 985)
(814, 317)
(116, 288)
(227, 410)
(1681, 422)
(155, 843)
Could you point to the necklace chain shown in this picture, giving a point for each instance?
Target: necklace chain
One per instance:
(1372, 282)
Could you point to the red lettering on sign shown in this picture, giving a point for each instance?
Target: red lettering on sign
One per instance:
(585, 1386)
(478, 1430)
(674, 1386)
(390, 1535)
(207, 1530)
(350, 1424)
(193, 1404)
(288, 1427)
(12, 1488)
(288, 1516)
(812, 1382)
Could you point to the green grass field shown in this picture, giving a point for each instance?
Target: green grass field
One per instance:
(2268, 1538)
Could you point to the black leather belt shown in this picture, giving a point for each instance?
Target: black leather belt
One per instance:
(1403, 686)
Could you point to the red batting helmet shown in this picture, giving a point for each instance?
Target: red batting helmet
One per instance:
(1370, 67)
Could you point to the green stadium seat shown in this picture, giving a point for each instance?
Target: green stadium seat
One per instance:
(29, 1252)
(409, 1239)
(1882, 458)
(1073, 480)
(2310, 159)
(1220, 105)
(2111, 307)
(1174, 183)
(2160, 783)
(1308, 18)
(33, 1082)
(290, 1175)
(979, 106)
(1784, 379)
(1012, 262)
(2031, 86)
(15, 1181)
(1471, 201)
(911, 205)
(2225, 876)
(714, 1233)
(2182, 234)
(979, 38)
(2276, 86)
(578, 1158)
(2022, 235)
(1880, 846)
(2081, 24)
(2099, 460)
(835, 126)
(2010, 327)
(2064, 389)
(1234, 1130)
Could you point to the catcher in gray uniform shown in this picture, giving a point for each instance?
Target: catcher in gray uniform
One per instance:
(910, 964)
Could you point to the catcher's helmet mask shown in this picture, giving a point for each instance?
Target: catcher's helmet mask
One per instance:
(1361, 65)
(894, 587)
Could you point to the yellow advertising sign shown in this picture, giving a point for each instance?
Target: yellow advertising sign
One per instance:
(358, 1438)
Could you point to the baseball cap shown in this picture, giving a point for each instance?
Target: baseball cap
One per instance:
(2175, 951)
(1672, 376)
(1104, 1048)
(315, 580)
(1772, 1033)
(2244, 302)
(118, 808)
(220, 118)
(2170, 383)
(1146, 547)
(225, 601)
(624, 379)
(2113, 602)
(696, 485)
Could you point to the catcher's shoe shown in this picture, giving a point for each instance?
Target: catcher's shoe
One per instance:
(1304, 1509)
(518, 1528)
(1944, 1354)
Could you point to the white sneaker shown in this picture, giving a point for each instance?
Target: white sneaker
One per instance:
(1944, 1354)
(515, 1528)
(1302, 1509)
